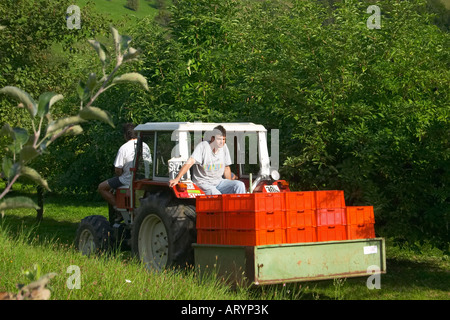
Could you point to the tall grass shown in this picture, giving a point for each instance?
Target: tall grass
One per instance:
(415, 272)
(113, 276)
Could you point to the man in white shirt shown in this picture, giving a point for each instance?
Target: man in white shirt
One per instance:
(122, 164)
(211, 161)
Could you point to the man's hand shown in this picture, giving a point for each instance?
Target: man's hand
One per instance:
(173, 182)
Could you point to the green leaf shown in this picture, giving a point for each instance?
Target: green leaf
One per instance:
(7, 165)
(34, 175)
(132, 77)
(83, 92)
(23, 97)
(94, 113)
(116, 37)
(75, 130)
(131, 54)
(7, 131)
(124, 42)
(28, 153)
(46, 100)
(17, 202)
(101, 50)
(62, 123)
(91, 82)
(21, 136)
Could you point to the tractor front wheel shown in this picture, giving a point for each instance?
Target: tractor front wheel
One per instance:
(94, 235)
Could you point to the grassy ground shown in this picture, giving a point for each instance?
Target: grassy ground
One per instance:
(413, 273)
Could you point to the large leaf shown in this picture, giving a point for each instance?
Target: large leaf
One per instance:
(34, 175)
(75, 130)
(94, 113)
(46, 100)
(116, 37)
(91, 82)
(28, 153)
(101, 50)
(21, 136)
(7, 167)
(17, 202)
(64, 122)
(132, 77)
(6, 130)
(23, 97)
(131, 54)
(83, 91)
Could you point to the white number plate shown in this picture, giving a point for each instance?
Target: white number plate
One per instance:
(272, 188)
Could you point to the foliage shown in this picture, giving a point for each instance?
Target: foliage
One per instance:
(25, 147)
(363, 110)
(359, 109)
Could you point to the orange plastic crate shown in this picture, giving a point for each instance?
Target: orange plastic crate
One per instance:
(329, 217)
(300, 200)
(301, 234)
(255, 237)
(254, 202)
(330, 199)
(361, 231)
(210, 220)
(331, 233)
(255, 220)
(211, 203)
(360, 215)
(211, 236)
(300, 218)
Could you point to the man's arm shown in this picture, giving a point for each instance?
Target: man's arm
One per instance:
(227, 173)
(118, 171)
(182, 172)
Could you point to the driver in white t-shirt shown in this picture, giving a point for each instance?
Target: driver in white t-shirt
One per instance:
(211, 162)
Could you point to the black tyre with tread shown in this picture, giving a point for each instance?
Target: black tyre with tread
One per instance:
(94, 234)
(163, 231)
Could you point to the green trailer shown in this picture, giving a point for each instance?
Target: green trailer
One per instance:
(295, 262)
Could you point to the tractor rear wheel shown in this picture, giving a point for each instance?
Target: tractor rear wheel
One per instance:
(163, 232)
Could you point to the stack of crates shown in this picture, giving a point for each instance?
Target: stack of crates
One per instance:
(210, 221)
(241, 219)
(276, 218)
(360, 222)
(331, 216)
(301, 221)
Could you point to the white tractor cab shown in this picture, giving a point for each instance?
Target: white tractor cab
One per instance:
(172, 143)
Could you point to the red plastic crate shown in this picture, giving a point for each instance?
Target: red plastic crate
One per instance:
(254, 220)
(301, 234)
(301, 218)
(211, 236)
(210, 220)
(255, 237)
(211, 203)
(331, 233)
(330, 199)
(361, 231)
(360, 215)
(329, 217)
(254, 202)
(300, 200)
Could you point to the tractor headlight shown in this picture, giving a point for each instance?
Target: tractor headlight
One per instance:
(275, 175)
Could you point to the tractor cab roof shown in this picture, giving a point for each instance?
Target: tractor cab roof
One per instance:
(199, 126)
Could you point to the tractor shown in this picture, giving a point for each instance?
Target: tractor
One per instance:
(159, 223)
